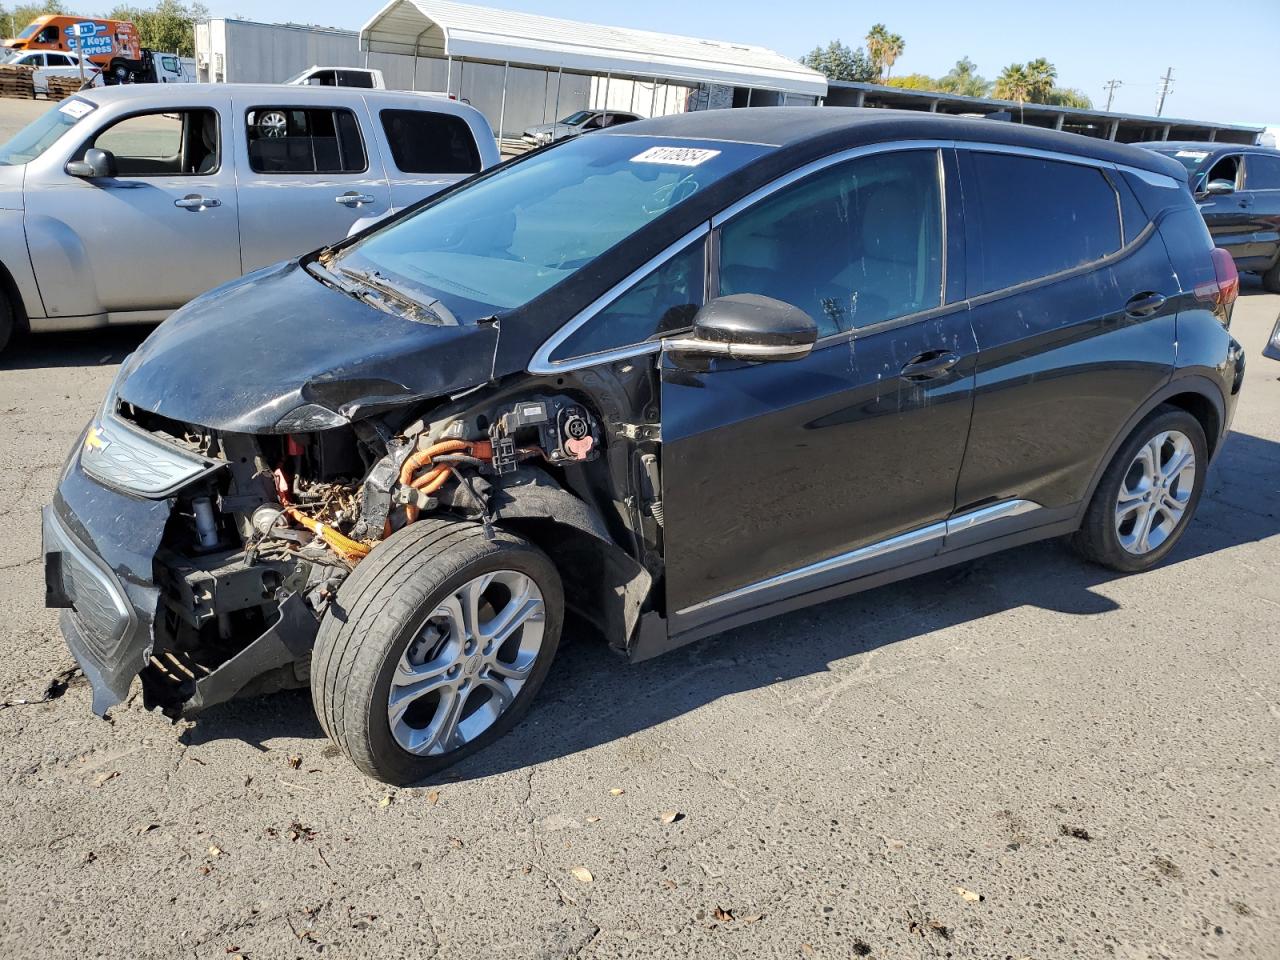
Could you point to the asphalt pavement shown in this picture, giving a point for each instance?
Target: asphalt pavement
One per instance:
(1023, 757)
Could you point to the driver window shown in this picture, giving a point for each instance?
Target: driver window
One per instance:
(1226, 170)
(661, 304)
(852, 246)
(182, 143)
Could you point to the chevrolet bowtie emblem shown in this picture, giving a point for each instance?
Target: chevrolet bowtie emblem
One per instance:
(95, 441)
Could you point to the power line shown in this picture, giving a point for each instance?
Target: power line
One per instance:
(1165, 83)
(1111, 86)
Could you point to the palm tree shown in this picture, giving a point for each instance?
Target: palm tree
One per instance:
(877, 40)
(1041, 77)
(963, 79)
(1014, 83)
(893, 47)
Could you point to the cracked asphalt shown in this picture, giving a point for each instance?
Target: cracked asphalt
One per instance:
(1023, 757)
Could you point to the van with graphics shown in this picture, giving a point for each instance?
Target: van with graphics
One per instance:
(112, 44)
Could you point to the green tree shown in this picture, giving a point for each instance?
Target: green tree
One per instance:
(916, 81)
(838, 62)
(170, 26)
(1069, 97)
(964, 80)
(13, 20)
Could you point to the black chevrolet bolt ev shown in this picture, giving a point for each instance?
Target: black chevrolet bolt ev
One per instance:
(673, 378)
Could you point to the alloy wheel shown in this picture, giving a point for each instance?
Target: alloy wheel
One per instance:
(1155, 492)
(467, 663)
(273, 125)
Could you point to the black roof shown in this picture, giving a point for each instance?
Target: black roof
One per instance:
(820, 130)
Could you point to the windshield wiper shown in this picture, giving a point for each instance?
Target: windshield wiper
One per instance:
(386, 289)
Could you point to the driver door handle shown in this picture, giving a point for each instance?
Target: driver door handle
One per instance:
(195, 202)
(929, 365)
(353, 199)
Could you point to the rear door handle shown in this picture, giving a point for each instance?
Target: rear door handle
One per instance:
(196, 202)
(353, 199)
(930, 365)
(1144, 304)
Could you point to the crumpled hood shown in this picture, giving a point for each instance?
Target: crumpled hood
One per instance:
(11, 187)
(242, 356)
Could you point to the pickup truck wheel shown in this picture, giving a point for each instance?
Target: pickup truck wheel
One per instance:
(435, 647)
(1148, 494)
(6, 321)
(1271, 277)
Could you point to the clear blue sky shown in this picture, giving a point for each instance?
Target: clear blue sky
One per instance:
(1224, 56)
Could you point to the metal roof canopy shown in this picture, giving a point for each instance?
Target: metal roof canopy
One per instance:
(460, 31)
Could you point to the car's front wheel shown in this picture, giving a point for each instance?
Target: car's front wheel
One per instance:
(435, 647)
(1148, 494)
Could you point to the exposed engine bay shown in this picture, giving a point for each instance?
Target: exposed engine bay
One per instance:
(254, 554)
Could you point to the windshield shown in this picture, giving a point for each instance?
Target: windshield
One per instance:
(31, 29)
(41, 133)
(1191, 159)
(574, 119)
(496, 244)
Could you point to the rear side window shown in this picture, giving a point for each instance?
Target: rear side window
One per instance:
(1261, 173)
(1032, 218)
(424, 142)
(292, 140)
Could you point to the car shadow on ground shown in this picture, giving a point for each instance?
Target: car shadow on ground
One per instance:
(594, 697)
(79, 349)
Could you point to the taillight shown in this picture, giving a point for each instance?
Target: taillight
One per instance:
(1225, 288)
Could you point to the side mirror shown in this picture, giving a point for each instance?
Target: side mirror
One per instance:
(1219, 188)
(96, 163)
(747, 326)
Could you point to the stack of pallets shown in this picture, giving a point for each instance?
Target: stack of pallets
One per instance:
(62, 87)
(17, 81)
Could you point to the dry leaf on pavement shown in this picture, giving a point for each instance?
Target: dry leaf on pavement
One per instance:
(616, 792)
(670, 816)
(969, 895)
(581, 874)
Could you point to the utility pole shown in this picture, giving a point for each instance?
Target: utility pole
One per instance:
(1111, 86)
(1165, 83)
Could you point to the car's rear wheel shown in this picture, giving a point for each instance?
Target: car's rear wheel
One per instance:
(436, 646)
(1148, 494)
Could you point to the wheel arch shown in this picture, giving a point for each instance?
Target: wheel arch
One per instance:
(1197, 395)
(9, 290)
(602, 581)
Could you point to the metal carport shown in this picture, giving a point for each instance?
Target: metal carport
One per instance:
(458, 32)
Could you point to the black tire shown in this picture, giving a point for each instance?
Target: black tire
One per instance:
(1098, 540)
(6, 321)
(380, 610)
(1271, 278)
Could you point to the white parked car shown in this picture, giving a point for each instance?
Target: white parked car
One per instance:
(51, 63)
(119, 205)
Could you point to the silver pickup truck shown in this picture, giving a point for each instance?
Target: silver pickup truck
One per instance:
(121, 204)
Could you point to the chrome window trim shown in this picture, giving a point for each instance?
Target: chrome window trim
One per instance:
(542, 362)
(853, 559)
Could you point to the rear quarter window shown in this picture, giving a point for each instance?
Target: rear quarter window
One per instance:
(1030, 218)
(426, 142)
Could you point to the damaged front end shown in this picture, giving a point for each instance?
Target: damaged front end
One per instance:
(203, 560)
